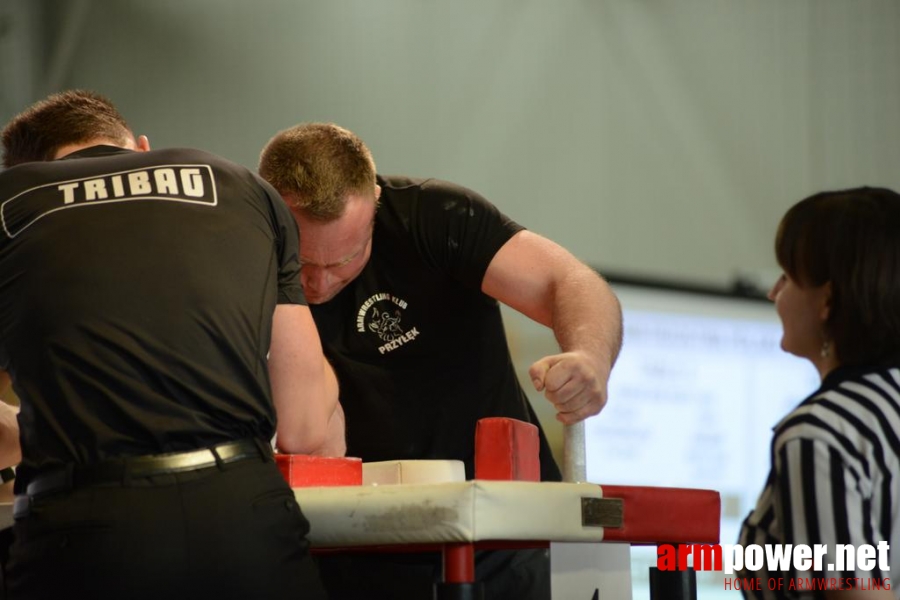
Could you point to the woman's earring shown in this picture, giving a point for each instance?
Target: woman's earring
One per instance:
(825, 352)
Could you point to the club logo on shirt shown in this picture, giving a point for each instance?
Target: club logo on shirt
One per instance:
(382, 315)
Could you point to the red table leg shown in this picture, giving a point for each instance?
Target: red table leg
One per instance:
(459, 575)
(459, 563)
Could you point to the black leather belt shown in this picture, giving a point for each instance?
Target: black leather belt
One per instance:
(118, 471)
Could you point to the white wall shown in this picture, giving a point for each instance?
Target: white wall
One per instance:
(651, 137)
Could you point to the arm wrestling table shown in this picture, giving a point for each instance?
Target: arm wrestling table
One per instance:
(458, 517)
(589, 528)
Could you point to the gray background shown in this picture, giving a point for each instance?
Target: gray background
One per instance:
(658, 138)
(653, 138)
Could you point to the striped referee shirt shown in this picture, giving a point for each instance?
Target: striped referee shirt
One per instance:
(835, 479)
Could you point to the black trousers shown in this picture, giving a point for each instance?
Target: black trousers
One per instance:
(229, 532)
(506, 575)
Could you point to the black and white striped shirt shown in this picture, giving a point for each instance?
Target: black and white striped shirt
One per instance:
(835, 477)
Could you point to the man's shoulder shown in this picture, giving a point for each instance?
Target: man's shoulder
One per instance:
(224, 169)
(194, 155)
(398, 186)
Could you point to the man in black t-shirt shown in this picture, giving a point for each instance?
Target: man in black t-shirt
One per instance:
(404, 278)
(140, 294)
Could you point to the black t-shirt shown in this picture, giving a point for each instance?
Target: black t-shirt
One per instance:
(136, 298)
(419, 349)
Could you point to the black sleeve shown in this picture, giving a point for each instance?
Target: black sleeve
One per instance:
(287, 238)
(458, 231)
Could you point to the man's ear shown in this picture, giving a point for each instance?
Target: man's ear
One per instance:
(143, 143)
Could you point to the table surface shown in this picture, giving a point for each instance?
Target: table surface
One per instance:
(467, 511)
(481, 510)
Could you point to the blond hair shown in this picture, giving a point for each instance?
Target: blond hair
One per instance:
(318, 165)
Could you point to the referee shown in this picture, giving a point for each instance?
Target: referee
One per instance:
(835, 475)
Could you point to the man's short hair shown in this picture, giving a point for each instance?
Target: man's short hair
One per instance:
(318, 164)
(69, 117)
(850, 239)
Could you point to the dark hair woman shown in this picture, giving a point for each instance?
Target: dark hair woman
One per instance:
(834, 483)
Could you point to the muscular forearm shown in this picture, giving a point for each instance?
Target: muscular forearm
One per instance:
(586, 316)
(304, 386)
(312, 430)
(335, 440)
(10, 451)
(587, 321)
(544, 281)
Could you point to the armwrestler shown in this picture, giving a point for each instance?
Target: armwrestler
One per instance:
(404, 277)
(140, 294)
(10, 452)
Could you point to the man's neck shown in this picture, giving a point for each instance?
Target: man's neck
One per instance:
(63, 151)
